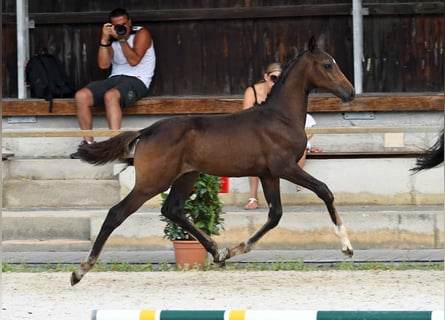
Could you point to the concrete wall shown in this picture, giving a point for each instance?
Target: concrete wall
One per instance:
(301, 227)
(353, 181)
(368, 181)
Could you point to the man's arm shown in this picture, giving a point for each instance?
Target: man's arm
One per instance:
(105, 53)
(142, 41)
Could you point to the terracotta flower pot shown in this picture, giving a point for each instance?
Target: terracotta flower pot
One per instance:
(189, 253)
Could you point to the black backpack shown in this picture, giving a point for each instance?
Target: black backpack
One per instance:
(47, 78)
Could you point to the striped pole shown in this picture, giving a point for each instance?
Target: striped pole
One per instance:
(263, 315)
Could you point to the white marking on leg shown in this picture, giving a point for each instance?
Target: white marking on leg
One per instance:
(340, 231)
(223, 254)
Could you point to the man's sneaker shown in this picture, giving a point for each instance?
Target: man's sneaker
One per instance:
(76, 155)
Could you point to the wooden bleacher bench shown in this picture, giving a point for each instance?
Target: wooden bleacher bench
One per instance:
(208, 105)
(213, 105)
(145, 106)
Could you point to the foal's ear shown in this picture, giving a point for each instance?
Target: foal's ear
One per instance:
(312, 44)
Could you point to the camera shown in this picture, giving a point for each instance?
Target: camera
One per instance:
(120, 29)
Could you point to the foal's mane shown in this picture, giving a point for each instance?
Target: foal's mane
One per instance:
(284, 74)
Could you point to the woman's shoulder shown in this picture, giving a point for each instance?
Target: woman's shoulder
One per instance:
(260, 87)
(249, 90)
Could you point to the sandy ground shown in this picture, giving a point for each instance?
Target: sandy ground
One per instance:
(49, 296)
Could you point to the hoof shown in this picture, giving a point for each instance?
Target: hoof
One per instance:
(223, 254)
(74, 279)
(348, 252)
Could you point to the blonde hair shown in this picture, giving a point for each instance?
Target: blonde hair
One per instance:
(273, 67)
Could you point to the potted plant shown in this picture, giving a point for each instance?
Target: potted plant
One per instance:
(204, 209)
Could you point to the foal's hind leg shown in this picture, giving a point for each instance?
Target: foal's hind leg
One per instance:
(116, 215)
(173, 209)
(271, 188)
(298, 176)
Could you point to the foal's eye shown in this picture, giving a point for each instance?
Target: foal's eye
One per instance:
(327, 66)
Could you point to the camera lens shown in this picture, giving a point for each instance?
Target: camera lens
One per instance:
(120, 29)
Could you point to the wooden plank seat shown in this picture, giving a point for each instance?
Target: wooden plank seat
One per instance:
(212, 104)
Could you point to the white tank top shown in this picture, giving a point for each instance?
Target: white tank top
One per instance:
(143, 71)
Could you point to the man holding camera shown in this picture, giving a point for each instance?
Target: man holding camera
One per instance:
(130, 53)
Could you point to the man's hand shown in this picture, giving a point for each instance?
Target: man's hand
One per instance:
(108, 32)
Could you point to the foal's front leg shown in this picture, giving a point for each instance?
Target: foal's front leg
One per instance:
(298, 176)
(271, 188)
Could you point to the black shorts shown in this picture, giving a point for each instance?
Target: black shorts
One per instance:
(131, 89)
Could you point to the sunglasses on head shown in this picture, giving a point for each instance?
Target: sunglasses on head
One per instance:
(273, 78)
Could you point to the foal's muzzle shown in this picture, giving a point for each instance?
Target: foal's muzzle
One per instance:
(347, 95)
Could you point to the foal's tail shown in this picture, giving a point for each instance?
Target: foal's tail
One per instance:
(115, 148)
(432, 157)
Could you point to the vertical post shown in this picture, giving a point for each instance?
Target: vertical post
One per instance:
(1, 140)
(357, 26)
(22, 45)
